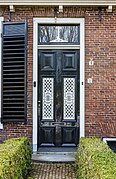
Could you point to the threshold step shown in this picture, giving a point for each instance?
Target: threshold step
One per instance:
(55, 157)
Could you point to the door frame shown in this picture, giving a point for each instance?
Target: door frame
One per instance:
(69, 21)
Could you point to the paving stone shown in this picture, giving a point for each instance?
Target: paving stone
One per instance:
(52, 171)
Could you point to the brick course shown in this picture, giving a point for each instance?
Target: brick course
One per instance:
(100, 45)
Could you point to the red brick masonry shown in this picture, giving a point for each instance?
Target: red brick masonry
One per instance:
(52, 171)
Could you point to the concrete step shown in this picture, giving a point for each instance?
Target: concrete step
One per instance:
(55, 157)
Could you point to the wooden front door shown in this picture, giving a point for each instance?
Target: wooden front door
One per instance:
(58, 98)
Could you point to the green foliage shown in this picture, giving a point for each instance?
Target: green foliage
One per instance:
(15, 158)
(95, 160)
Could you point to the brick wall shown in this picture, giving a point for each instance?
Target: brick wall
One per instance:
(100, 45)
(101, 94)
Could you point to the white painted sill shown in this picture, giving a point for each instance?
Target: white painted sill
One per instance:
(1, 125)
(109, 139)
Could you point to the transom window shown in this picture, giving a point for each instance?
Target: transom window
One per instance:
(59, 34)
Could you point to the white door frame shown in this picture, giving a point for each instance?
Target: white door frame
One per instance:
(37, 21)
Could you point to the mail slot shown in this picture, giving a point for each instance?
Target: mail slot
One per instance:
(57, 123)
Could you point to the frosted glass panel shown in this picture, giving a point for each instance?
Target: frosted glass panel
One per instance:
(69, 98)
(48, 93)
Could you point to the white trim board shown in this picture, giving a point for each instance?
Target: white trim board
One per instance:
(57, 2)
(1, 19)
(37, 21)
(58, 47)
(109, 139)
(35, 78)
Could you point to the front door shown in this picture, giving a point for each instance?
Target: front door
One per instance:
(58, 98)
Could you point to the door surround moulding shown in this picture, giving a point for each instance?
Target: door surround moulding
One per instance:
(37, 21)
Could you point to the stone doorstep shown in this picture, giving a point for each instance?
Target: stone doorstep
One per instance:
(56, 157)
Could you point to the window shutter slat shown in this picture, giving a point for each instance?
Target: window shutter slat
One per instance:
(14, 62)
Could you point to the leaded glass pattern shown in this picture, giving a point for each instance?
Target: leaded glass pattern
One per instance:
(69, 98)
(47, 101)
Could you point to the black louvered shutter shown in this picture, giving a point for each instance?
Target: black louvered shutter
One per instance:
(14, 69)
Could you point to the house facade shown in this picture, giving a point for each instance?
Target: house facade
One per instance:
(58, 71)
